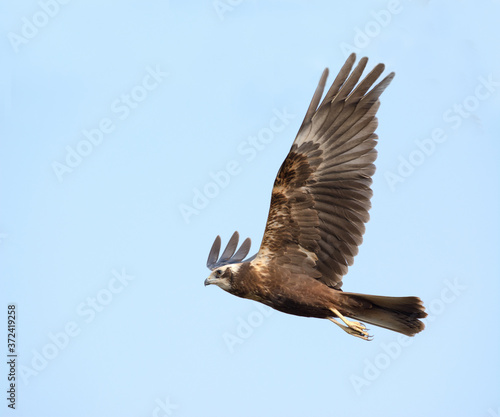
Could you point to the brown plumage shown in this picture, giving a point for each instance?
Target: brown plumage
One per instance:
(319, 207)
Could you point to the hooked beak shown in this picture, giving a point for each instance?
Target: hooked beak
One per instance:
(210, 280)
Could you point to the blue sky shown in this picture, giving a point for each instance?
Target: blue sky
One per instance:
(134, 133)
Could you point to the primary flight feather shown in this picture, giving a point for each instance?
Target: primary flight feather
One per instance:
(319, 207)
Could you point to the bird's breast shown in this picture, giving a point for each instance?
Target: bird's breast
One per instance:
(293, 294)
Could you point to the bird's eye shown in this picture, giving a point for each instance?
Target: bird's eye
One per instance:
(218, 273)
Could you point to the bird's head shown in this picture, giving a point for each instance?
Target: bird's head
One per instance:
(223, 277)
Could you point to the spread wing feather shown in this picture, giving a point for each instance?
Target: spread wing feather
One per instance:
(321, 195)
(228, 256)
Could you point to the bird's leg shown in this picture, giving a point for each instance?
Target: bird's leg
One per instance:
(354, 328)
(362, 335)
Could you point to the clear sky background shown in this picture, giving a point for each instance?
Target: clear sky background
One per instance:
(104, 244)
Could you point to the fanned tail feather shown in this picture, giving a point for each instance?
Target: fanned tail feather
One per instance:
(400, 314)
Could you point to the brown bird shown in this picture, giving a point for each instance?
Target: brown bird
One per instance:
(319, 207)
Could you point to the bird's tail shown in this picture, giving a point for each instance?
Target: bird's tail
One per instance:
(400, 314)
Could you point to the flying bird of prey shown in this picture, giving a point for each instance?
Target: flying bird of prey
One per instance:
(319, 207)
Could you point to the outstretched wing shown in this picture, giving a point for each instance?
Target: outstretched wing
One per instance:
(321, 195)
(228, 256)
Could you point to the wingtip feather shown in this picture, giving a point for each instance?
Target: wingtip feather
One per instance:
(230, 255)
